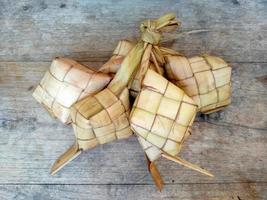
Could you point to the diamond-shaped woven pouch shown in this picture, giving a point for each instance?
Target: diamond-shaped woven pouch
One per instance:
(65, 83)
(101, 118)
(206, 79)
(161, 115)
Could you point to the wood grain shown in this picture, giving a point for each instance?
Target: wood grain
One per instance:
(232, 191)
(231, 144)
(39, 30)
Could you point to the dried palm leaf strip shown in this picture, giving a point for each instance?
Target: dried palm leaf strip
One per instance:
(114, 63)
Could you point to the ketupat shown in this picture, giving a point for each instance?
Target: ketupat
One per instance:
(161, 117)
(65, 83)
(162, 114)
(206, 79)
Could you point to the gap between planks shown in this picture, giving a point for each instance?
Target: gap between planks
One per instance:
(129, 184)
(104, 59)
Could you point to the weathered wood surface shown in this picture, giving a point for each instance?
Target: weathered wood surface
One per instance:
(231, 144)
(232, 191)
(40, 30)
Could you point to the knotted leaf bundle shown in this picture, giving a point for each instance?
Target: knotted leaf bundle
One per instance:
(164, 108)
(103, 117)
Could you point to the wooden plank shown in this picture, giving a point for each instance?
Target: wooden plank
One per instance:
(229, 146)
(89, 30)
(233, 155)
(233, 191)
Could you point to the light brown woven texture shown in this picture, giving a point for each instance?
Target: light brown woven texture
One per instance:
(161, 115)
(206, 79)
(65, 83)
(101, 118)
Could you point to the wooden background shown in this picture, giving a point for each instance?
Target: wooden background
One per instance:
(232, 144)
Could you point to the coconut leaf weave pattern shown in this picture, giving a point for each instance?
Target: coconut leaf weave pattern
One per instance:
(107, 121)
(65, 83)
(162, 114)
(206, 79)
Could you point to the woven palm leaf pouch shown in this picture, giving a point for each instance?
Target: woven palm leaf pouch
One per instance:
(206, 79)
(65, 83)
(161, 117)
(162, 114)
